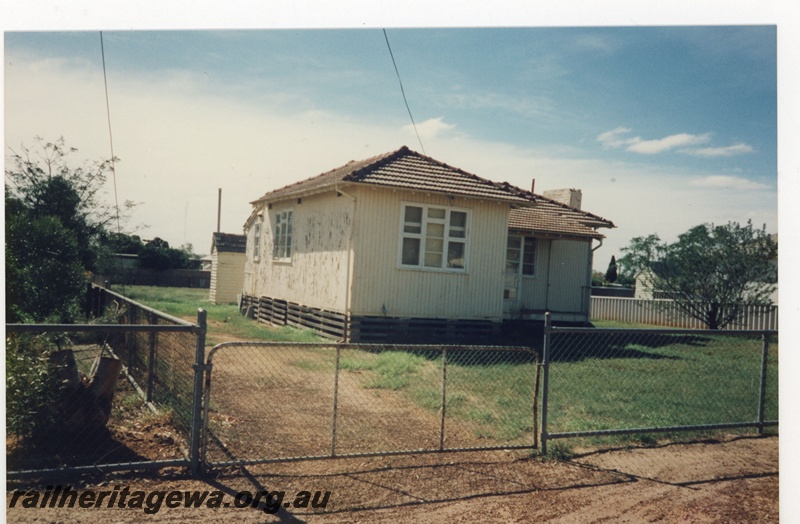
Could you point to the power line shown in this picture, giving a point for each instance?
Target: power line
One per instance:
(110, 135)
(402, 91)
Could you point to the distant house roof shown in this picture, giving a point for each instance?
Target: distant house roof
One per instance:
(229, 243)
(404, 169)
(554, 218)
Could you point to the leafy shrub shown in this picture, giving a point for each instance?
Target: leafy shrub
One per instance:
(33, 388)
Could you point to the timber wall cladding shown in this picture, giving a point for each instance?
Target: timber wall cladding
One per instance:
(227, 277)
(316, 273)
(381, 288)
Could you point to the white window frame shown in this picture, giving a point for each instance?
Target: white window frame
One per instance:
(526, 245)
(282, 235)
(450, 235)
(257, 240)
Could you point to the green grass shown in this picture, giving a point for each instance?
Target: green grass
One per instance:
(715, 379)
(224, 321)
(393, 370)
(636, 382)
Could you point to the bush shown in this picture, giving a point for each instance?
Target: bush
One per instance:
(33, 389)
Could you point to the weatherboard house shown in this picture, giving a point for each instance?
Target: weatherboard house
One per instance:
(402, 246)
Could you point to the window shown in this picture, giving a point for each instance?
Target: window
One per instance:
(434, 237)
(529, 256)
(282, 240)
(256, 240)
(521, 254)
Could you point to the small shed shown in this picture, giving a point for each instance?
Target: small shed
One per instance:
(227, 267)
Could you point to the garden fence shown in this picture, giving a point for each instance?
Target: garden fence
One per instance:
(664, 312)
(77, 426)
(256, 402)
(267, 402)
(600, 383)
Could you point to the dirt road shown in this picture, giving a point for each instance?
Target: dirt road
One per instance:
(730, 480)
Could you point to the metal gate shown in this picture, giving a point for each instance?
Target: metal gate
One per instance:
(606, 383)
(267, 402)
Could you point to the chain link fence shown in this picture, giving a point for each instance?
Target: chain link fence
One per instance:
(271, 401)
(75, 394)
(606, 388)
(117, 393)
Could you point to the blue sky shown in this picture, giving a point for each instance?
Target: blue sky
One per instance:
(662, 128)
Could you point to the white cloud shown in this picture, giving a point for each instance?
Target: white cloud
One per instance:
(616, 139)
(736, 149)
(652, 147)
(431, 128)
(612, 138)
(726, 182)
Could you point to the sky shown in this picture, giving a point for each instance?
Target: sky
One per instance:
(662, 127)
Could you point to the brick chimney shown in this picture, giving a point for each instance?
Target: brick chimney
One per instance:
(570, 197)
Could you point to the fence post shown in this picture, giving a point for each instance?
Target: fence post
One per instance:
(151, 360)
(444, 397)
(335, 403)
(763, 383)
(545, 380)
(197, 397)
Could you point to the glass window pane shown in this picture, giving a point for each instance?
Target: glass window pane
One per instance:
(458, 219)
(433, 259)
(529, 257)
(458, 224)
(436, 213)
(413, 220)
(455, 255)
(434, 245)
(435, 231)
(413, 214)
(410, 255)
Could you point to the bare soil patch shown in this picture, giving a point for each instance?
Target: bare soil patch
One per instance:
(729, 480)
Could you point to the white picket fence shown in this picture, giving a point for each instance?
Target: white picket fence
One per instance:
(666, 313)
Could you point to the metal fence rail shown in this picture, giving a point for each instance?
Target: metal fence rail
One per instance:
(610, 382)
(157, 353)
(267, 402)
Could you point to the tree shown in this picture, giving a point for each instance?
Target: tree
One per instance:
(55, 223)
(710, 271)
(157, 254)
(124, 243)
(611, 272)
(45, 181)
(44, 274)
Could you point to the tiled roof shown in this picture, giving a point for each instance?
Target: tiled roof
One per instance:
(229, 243)
(408, 169)
(551, 217)
(404, 169)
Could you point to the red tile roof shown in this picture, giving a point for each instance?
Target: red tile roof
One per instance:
(553, 218)
(404, 169)
(408, 169)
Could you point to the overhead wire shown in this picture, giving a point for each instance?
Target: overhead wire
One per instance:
(111, 146)
(402, 91)
(110, 134)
